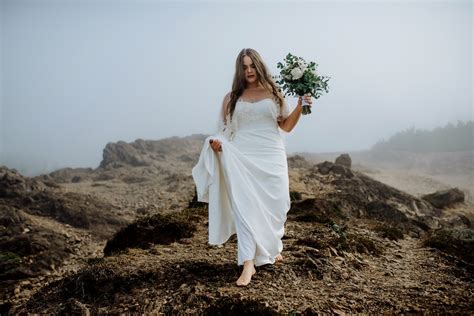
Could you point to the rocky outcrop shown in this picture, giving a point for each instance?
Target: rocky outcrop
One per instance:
(445, 198)
(120, 158)
(14, 185)
(319, 210)
(29, 248)
(120, 154)
(25, 249)
(343, 159)
(34, 248)
(66, 175)
(149, 152)
(326, 167)
(341, 194)
(455, 241)
(75, 209)
(297, 161)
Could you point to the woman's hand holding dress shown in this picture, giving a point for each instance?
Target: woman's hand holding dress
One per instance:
(215, 145)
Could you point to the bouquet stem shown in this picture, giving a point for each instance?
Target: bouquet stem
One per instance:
(306, 107)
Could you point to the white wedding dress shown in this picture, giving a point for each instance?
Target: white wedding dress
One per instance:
(246, 184)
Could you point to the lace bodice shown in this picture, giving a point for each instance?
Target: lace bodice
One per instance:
(258, 114)
(254, 113)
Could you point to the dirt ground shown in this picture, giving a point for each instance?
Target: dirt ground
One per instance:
(192, 277)
(373, 275)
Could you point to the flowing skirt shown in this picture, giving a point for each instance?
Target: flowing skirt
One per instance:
(247, 188)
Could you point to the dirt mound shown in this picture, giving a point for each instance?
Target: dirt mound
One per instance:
(317, 210)
(42, 227)
(415, 173)
(25, 250)
(339, 239)
(66, 175)
(352, 194)
(77, 210)
(155, 229)
(388, 231)
(96, 283)
(326, 268)
(457, 242)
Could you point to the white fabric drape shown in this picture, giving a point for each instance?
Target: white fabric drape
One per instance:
(246, 184)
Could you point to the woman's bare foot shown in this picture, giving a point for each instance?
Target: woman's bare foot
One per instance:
(279, 257)
(247, 273)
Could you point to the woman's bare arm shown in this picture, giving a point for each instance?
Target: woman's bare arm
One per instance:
(290, 122)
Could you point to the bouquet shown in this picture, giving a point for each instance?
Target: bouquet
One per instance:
(300, 78)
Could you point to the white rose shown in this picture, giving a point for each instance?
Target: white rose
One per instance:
(296, 73)
(302, 63)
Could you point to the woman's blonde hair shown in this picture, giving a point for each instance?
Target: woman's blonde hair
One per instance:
(263, 77)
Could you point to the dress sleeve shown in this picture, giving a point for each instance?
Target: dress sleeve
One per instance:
(224, 127)
(284, 111)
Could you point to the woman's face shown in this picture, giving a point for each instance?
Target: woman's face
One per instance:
(249, 70)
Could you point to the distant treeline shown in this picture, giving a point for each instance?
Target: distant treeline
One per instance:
(448, 138)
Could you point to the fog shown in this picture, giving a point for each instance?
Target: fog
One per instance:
(76, 75)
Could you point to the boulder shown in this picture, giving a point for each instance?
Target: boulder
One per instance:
(327, 167)
(458, 242)
(344, 160)
(317, 210)
(324, 167)
(444, 198)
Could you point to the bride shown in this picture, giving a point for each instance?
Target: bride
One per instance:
(242, 170)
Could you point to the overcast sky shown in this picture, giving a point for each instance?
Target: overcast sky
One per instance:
(76, 75)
